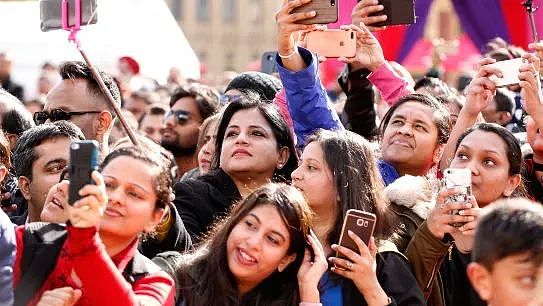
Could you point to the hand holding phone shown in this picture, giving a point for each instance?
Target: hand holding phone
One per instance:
(459, 179)
(509, 69)
(83, 161)
(359, 222)
(326, 11)
(398, 12)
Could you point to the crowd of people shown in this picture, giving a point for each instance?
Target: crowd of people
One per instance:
(238, 195)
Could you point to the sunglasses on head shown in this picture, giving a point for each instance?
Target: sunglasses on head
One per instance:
(58, 114)
(181, 116)
(227, 99)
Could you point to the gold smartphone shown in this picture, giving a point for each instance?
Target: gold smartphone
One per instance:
(359, 222)
(332, 43)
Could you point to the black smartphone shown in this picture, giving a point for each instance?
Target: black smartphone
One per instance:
(327, 11)
(398, 12)
(83, 160)
(267, 63)
(359, 222)
(51, 13)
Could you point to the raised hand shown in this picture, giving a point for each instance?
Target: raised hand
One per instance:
(287, 26)
(481, 90)
(464, 236)
(369, 53)
(441, 218)
(363, 9)
(530, 85)
(361, 269)
(65, 296)
(86, 212)
(311, 271)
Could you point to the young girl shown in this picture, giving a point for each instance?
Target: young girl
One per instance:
(255, 256)
(96, 251)
(338, 172)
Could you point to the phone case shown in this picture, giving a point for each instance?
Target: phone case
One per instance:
(83, 160)
(51, 13)
(398, 12)
(359, 222)
(327, 11)
(332, 43)
(510, 71)
(267, 63)
(459, 179)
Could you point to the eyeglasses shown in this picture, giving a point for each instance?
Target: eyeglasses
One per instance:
(181, 116)
(58, 114)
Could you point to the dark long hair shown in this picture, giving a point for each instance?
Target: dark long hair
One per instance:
(356, 179)
(278, 126)
(205, 277)
(512, 148)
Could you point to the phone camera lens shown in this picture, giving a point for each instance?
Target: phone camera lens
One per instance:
(333, 2)
(75, 146)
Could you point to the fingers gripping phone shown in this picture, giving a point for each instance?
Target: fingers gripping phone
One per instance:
(327, 11)
(509, 70)
(83, 160)
(51, 13)
(458, 179)
(397, 11)
(332, 43)
(359, 222)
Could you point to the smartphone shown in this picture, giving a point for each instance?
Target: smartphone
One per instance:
(509, 70)
(332, 43)
(83, 160)
(398, 12)
(267, 63)
(458, 179)
(327, 11)
(51, 13)
(359, 222)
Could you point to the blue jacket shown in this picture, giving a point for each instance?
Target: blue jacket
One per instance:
(7, 255)
(307, 100)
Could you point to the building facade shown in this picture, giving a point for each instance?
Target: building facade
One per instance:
(227, 34)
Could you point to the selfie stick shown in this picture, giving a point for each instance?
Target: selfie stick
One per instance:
(74, 29)
(530, 9)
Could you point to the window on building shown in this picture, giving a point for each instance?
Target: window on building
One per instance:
(228, 11)
(255, 9)
(203, 9)
(229, 61)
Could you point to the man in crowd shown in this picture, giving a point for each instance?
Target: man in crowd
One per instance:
(190, 106)
(139, 101)
(78, 98)
(151, 122)
(501, 109)
(39, 157)
(5, 77)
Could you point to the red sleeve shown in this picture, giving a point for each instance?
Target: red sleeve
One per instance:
(103, 283)
(19, 232)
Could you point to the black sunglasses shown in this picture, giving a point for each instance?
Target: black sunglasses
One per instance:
(58, 114)
(181, 116)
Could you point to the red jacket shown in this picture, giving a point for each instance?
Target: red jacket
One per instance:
(100, 276)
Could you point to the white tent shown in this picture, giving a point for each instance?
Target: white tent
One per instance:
(142, 29)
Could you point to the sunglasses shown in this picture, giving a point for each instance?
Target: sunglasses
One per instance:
(58, 114)
(227, 99)
(181, 116)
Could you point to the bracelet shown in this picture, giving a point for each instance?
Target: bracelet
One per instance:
(289, 55)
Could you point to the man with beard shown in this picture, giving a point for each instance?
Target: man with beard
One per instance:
(190, 106)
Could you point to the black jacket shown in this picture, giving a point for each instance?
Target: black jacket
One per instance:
(395, 278)
(458, 289)
(203, 200)
(359, 107)
(13, 88)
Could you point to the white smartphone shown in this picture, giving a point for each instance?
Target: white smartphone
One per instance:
(509, 70)
(458, 179)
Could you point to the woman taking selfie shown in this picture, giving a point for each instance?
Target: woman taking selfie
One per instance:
(338, 172)
(494, 158)
(256, 256)
(96, 251)
(254, 146)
